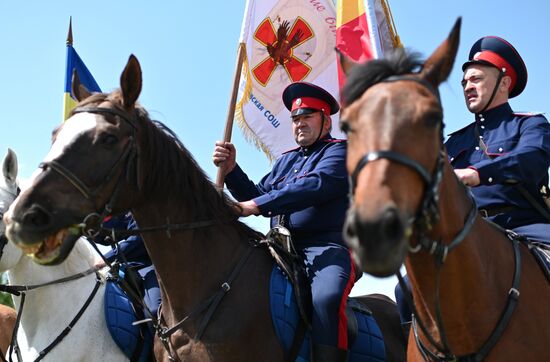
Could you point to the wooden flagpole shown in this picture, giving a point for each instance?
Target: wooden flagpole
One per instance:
(231, 110)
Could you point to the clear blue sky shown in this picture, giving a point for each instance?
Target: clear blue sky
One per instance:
(187, 51)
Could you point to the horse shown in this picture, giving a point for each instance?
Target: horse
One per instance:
(108, 158)
(49, 310)
(8, 317)
(478, 293)
(8, 191)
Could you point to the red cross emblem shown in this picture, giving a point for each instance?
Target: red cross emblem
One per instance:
(280, 46)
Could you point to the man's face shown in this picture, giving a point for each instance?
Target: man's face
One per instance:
(306, 128)
(478, 84)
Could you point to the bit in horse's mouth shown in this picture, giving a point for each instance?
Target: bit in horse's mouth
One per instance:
(49, 250)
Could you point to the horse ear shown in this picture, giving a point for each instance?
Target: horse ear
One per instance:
(9, 169)
(438, 66)
(130, 82)
(345, 63)
(78, 91)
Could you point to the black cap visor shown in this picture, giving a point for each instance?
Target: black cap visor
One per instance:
(301, 111)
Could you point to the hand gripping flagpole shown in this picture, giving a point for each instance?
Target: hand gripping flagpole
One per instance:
(231, 110)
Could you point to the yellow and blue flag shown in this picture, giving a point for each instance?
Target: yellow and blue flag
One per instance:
(86, 79)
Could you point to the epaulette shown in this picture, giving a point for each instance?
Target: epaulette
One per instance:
(460, 130)
(335, 140)
(294, 149)
(528, 114)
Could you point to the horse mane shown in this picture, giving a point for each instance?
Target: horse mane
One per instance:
(364, 76)
(175, 170)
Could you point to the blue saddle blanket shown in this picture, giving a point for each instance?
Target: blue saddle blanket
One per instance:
(368, 346)
(119, 315)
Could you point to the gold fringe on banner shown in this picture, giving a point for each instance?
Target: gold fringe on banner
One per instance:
(391, 24)
(248, 133)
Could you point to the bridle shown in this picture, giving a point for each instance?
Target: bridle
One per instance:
(128, 157)
(92, 225)
(425, 218)
(428, 213)
(21, 290)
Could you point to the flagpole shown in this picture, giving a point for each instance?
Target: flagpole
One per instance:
(70, 33)
(231, 110)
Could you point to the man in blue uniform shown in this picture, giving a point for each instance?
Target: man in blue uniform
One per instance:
(504, 156)
(501, 149)
(306, 191)
(133, 251)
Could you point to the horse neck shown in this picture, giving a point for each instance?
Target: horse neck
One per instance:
(53, 305)
(191, 264)
(468, 276)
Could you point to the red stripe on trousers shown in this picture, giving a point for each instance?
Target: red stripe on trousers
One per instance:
(342, 318)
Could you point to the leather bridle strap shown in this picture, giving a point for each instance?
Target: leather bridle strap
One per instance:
(86, 191)
(113, 111)
(394, 156)
(3, 243)
(18, 289)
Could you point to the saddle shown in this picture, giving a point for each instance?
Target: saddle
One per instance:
(365, 341)
(122, 309)
(541, 252)
(291, 306)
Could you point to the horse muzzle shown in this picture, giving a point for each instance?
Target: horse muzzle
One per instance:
(34, 234)
(378, 243)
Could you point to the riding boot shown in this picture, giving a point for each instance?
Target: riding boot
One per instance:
(324, 353)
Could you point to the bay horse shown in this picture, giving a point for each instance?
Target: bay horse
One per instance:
(477, 291)
(48, 310)
(108, 158)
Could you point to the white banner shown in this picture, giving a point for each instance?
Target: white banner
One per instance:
(285, 41)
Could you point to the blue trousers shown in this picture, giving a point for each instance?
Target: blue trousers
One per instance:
(152, 291)
(331, 273)
(405, 312)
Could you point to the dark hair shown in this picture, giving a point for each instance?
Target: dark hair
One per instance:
(363, 76)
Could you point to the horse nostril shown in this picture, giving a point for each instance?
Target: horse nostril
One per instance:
(391, 226)
(36, 217)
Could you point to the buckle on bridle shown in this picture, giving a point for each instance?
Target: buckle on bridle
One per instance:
(91, 225)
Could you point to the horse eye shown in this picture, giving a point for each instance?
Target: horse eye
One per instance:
(109, 140)
(344, 127)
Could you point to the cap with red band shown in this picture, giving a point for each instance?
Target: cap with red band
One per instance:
(497, 52)
(303, 98)
(312, 103)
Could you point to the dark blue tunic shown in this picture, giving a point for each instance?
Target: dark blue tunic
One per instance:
(308, 186)
(519, 146)
(134, 252)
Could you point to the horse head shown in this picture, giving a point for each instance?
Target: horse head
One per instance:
(394, 122)
(90, 172)
(8, 192)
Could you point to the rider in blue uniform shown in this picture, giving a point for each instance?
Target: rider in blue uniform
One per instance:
(132, 250)
(501, 148)
(307, 191)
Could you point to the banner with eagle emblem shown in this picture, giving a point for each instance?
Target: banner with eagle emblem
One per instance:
(285, 41)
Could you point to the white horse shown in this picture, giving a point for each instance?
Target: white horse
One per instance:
(48, 310)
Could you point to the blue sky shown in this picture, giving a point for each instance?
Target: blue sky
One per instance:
(187, 51)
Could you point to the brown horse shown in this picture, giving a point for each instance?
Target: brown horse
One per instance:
(109, 157)
(478, 293)
(7, 323)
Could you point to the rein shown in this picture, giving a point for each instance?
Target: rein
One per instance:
(426, 217)
(92, 226)
(21, 290)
